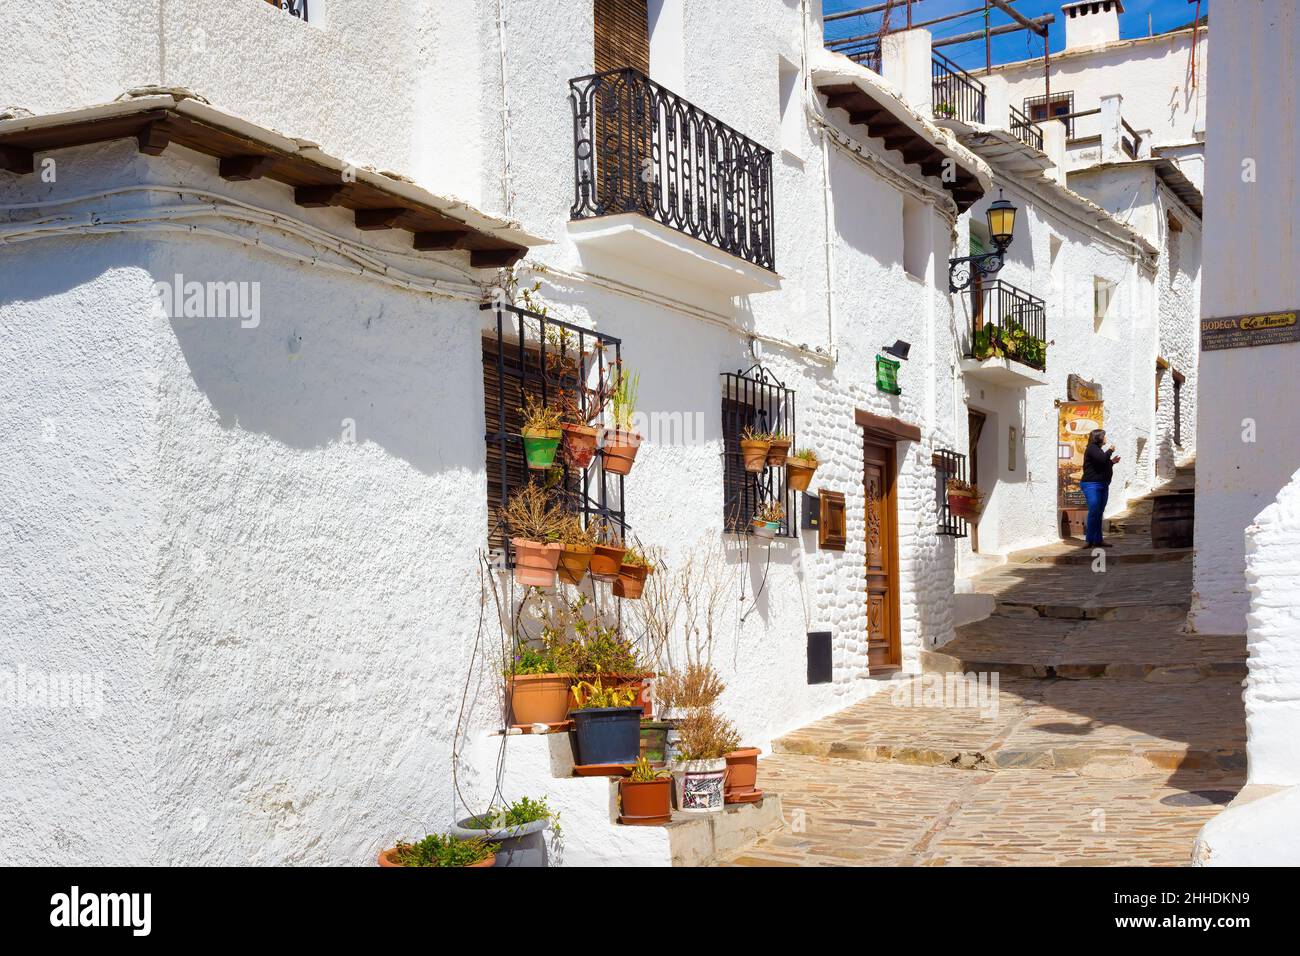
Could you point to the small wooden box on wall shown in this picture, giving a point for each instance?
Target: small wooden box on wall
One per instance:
(824, 511)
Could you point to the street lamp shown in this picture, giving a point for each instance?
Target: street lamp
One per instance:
(1001, 216)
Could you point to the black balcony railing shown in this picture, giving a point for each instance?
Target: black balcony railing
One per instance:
(956, 94)
(863, 49)
(638, 147)
(1007, 322)
(1026, 130)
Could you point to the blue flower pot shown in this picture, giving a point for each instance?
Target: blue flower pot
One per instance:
(608, 734)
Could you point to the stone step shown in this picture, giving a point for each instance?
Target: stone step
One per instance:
(1092, 611)
(703, 839)
(1171, 672)
(1078, 554)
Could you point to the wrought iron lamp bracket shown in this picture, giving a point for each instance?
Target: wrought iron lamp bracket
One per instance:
(961, 272)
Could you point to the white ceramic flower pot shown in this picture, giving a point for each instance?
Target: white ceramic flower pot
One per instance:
(699, 785)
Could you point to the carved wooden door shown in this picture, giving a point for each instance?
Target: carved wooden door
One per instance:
(883, 648)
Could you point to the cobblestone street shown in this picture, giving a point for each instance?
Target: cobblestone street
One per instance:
(1113, 739)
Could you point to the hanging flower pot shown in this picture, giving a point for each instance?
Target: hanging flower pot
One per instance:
(539, 447)
(700, 785)
(963, 500)
(579, 444)
(799, 472)
(742, 773)
(777, 452)
(755, 452)
(539, 698)
(574, 561)
(606, 562)
(535, 563)
(765, 529)
(630, 581)
(620, 450)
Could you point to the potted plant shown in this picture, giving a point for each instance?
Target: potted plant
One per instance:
(621, 442)
(754, 446)
(700, 770)
(535, 526)
(779, 448)
(742, 774)
(964, 499)
(632, 574)
(537, 693)
(767, 522)
(518, 829)
(541, 433)
(439, 849)
(578, 547)
(608, 723)
(800, 468)
(607, 559)
(680, 692)
(579, 434)
(645, 795)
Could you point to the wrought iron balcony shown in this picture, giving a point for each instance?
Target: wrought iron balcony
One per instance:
(1007, 322)
(640, 148)
(955, 93)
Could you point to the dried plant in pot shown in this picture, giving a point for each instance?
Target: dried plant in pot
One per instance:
(621, 442)
(767, 522)
(518, 829)
(694, 687)
(700, 770)
(579, 546)
(607, 559)
(541, 433)
(607, 722)
(632, 574)
(537, 692)
(535, 525)
(645, 795)
(964, 499)
(439, 849)
(800, 468)
(754, 446)
(778, 449)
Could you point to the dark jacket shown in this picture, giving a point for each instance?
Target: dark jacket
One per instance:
(1096, 465)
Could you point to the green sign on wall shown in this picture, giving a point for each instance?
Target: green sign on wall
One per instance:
(887, 375)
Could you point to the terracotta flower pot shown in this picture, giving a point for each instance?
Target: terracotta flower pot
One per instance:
(385, 860)
(755, 453)
(742, 771)
(700, 785)
(776, 454)
(535, 563)
(649, 802)
(579, 444)
(962, 504)
(620, 450)
(606, 562)
(574, 563)
(540, 445)
(631, 581)
(539, 698)
(798, 473)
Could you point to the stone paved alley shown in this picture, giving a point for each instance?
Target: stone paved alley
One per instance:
(1115, 737)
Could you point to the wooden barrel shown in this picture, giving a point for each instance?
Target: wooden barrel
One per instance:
(1172, 520)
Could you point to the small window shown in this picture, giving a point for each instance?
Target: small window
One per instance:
(916, 238)
(1062, 104)
(1103, 295)
(1173, 245)
(791, 108)
(756, 400)
(832, 524)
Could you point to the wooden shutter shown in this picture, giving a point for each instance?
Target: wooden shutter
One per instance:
(622, 35)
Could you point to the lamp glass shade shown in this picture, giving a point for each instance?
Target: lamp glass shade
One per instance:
(1002, 221)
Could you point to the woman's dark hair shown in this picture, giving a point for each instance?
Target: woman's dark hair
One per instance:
(1096, 436)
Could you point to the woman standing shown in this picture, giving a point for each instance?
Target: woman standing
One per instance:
(1098, 463)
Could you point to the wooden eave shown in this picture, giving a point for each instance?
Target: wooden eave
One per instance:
(244, 152)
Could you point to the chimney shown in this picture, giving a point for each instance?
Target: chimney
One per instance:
(1091, 22)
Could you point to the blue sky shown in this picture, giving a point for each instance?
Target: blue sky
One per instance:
(1164, 15)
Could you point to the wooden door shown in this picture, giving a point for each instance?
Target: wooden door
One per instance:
(883, 648)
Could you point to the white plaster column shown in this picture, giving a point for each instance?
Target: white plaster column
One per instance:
(1112, 129)
(997, 102)
(905, 62)
(1054, 132)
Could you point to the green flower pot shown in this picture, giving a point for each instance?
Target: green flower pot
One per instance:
(540, 447)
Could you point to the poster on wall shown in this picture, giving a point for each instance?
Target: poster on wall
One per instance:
(1075, 421)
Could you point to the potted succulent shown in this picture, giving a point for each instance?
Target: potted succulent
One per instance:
(700, 770)
(535, 525)
(778, 449)
(742, 774)
(621, 442)
(537, 693)
(799, 469)
(767, 522)
(754, 446)
(607, 559)
(645, 795)
(608, 723)
(518, 829)
(579, 434)
(578, 547)
(964, 499)
(541, 433)
(439, 849)
(632, 574)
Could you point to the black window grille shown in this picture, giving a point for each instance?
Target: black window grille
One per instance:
(532, 354)
(1036, 109)
(295, 8)
(948, 464)
(755, 399)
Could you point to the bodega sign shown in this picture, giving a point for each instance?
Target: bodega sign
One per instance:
(1248, 331)
(76, 908)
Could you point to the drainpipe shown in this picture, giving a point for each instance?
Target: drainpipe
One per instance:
(505, 113)
(828, 212)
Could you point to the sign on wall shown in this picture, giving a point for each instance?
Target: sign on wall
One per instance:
(1248, 331)
(1074, 422)
(1079, 389)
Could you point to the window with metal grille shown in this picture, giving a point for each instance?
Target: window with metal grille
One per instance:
(754, 399)
(1036, 109)
(528, 353)
(948, 464)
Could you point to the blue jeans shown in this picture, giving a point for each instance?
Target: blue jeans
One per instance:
(1096, 494)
